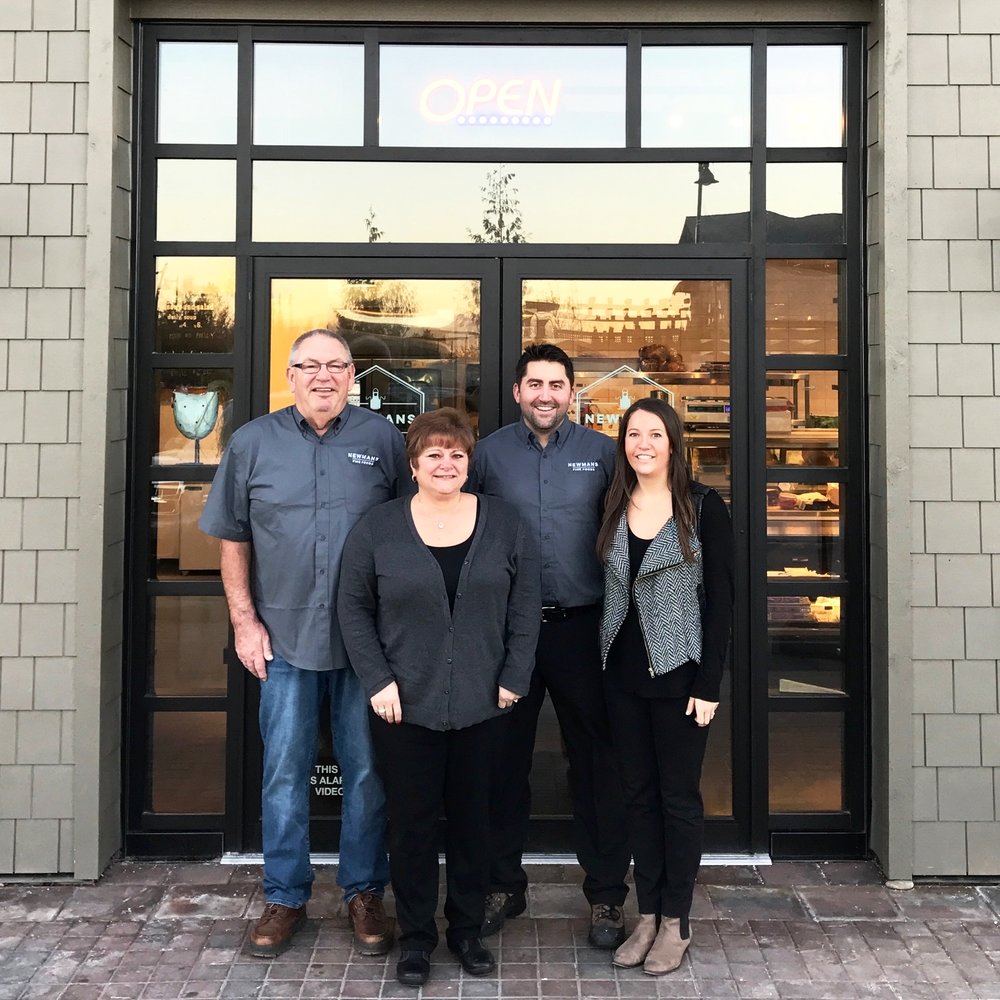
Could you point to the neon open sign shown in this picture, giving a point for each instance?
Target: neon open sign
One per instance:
(486, 101)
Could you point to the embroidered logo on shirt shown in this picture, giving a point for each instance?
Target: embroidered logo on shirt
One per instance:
(360, 458)
(583, 466)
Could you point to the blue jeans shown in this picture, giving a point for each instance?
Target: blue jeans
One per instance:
(290, 699)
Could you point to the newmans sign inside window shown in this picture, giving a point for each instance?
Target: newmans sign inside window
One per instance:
(513, 96)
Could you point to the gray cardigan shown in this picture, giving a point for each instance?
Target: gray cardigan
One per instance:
(397, 624)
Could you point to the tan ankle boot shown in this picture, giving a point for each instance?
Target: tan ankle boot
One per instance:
(668, 948)
(633, 951)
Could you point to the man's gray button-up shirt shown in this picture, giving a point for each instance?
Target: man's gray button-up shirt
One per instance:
(559, 491)
(295, 495)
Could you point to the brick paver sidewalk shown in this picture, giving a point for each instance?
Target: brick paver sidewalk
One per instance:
(789, 931)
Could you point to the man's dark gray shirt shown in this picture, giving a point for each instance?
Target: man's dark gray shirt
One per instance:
(559, 491)
(295, 495)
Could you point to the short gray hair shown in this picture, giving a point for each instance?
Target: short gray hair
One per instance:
(320, 331)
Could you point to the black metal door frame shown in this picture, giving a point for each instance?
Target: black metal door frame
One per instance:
(500, 325)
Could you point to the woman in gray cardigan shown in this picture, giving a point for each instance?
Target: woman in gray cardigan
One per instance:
(438, 605)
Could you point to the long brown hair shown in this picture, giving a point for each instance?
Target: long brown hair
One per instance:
(624, 479)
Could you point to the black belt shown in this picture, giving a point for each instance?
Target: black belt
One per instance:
(557, 613)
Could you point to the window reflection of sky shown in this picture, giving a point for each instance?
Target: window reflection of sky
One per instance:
(578, 90)
(440, 202)
(197, 92)
(799, 189)
(196, 200)
(310, 95)
(805, 95)
(696, 95)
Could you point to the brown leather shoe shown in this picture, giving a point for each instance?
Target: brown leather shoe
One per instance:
(372, 928)
(273, 933)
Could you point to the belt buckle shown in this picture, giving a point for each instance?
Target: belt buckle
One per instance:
(553, 613)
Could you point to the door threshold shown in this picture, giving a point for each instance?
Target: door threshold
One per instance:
(707, 860)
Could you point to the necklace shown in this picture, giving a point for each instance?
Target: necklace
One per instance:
(440, 523)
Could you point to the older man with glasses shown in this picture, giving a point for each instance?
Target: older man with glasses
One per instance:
(290, 487)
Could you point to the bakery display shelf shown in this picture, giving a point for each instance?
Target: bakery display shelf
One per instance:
(803, 523)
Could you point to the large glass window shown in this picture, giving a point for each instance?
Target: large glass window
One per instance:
(195, 304)
(355, 202)
(415, 342)
(444, 196)
(308, 95)
(805, 202)
(805, 95)
(501, 95)
(805, 301)
(696, 95)
(190, 635)
(196, 97)
(196, 200)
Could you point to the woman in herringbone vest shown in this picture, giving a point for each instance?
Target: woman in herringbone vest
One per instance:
(667, 547)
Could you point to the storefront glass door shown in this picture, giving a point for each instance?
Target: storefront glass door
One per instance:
(427, 334)
(417, 331)
(673, 330)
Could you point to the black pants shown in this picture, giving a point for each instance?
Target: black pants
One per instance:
(427, 773)
(568, 665)
(660, 752)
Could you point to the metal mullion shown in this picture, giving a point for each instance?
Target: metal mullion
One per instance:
(492, 378)
(742, 486)
(805, 474)
(708, 35)
(154, 822)
(758, 650)
(204, 31)
(624, 154)
(857, 734)
(469, 251)
(803, 586)
(343, 265)
(807, 154)
(195, 151)
(138, 537)
(190, 248)
(807, 362)
(835, 821)
(244, 137)
(807, 251)
(819, 35)
(633, 91)
(372, 84)
(808, 703)
(312, 33)
(192, 360)
(185, 703)
(503, 35)
(202, 587)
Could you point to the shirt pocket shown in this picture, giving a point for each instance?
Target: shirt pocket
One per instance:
(365, 489)
(577, 494)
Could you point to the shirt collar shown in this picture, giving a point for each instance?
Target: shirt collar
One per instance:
(307, 429)
(556, 439)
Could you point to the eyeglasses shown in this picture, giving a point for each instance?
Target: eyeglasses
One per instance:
(312, 367)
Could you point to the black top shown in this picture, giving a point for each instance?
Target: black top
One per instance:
(450, 558)
(559, 491)
(628, 661)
